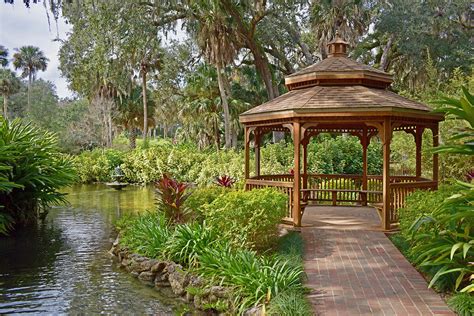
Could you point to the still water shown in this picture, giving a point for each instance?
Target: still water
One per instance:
(62, 266)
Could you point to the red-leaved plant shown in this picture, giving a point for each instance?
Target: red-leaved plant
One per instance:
(470, 175)
(170, 197)
(225, 181)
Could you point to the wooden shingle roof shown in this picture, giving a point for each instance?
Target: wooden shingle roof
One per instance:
(337, 98)
(337, 84)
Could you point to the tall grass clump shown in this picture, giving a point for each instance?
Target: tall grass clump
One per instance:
(254, 278)
(32, 171)
(145, 234)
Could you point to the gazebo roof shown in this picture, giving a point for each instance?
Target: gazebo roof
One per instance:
(336, 84)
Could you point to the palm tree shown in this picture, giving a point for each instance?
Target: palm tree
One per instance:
(9, 84)
(213, 33)
(130, 113)
(200, 112)
(30, 60)
(3, 56)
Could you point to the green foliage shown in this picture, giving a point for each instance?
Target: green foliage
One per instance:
(447, 244)
(343, 155)
(462, 304)
(31, 173)
(422, 202)
(256, 279)
(202, 196)
(289, 303)
(97, 165)
(459, 109)
(189, 242)
(145, 234)
(252, 278)
(247, 218)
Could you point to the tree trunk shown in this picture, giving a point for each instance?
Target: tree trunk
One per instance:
(30, 79)
(5, 106)
(234, 139)
(218, 138)
(145, 109)
(165, 131)
(225, 105)
(132, 137)
(386, 50)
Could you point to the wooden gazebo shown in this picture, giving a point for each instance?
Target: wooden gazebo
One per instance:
(340, 95)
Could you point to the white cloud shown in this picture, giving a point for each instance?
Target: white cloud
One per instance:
(20, 26)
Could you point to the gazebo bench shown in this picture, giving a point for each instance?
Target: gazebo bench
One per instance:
(334, 192)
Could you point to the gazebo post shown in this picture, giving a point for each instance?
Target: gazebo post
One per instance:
(257, 139)
(296, 211)
(305, 163)
(386, 139)
(435, 132)
(418, 143)
(365, 143)
(247, 153)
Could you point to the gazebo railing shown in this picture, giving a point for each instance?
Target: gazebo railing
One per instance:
(285, 187)
(336, 189)
(400, 190)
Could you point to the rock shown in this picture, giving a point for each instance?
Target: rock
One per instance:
(178, 279)
(137, 258)
(125, 263)
(158, 267)
(189, 297)
(212, 298)
(123, 254)
(161, 283)
(146, 276)
(197, 301)
(135, 274)
(195, 281)
(135, 266)
(147, 264)
(220, 291)
(254, 311)
(172, 267)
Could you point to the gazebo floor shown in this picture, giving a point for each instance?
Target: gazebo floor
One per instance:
(354, 269)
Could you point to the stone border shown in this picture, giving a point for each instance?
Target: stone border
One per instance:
(170, 274)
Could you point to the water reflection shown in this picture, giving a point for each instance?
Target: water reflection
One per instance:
(62, 266)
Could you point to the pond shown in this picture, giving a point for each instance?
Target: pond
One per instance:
(62, 266)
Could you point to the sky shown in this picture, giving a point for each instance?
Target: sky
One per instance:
(20, 26)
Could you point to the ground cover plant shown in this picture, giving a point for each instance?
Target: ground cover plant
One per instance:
(220, 255)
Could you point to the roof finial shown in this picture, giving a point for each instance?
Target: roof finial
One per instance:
(337, 47)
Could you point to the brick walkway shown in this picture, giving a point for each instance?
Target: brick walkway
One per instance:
(354, 269)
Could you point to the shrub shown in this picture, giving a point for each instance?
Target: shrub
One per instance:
(202, 196)
(96, 165)
(171, 196)
(247, 218)
(462, 304)
(421, 202)
(32, 171)
(145, 234)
